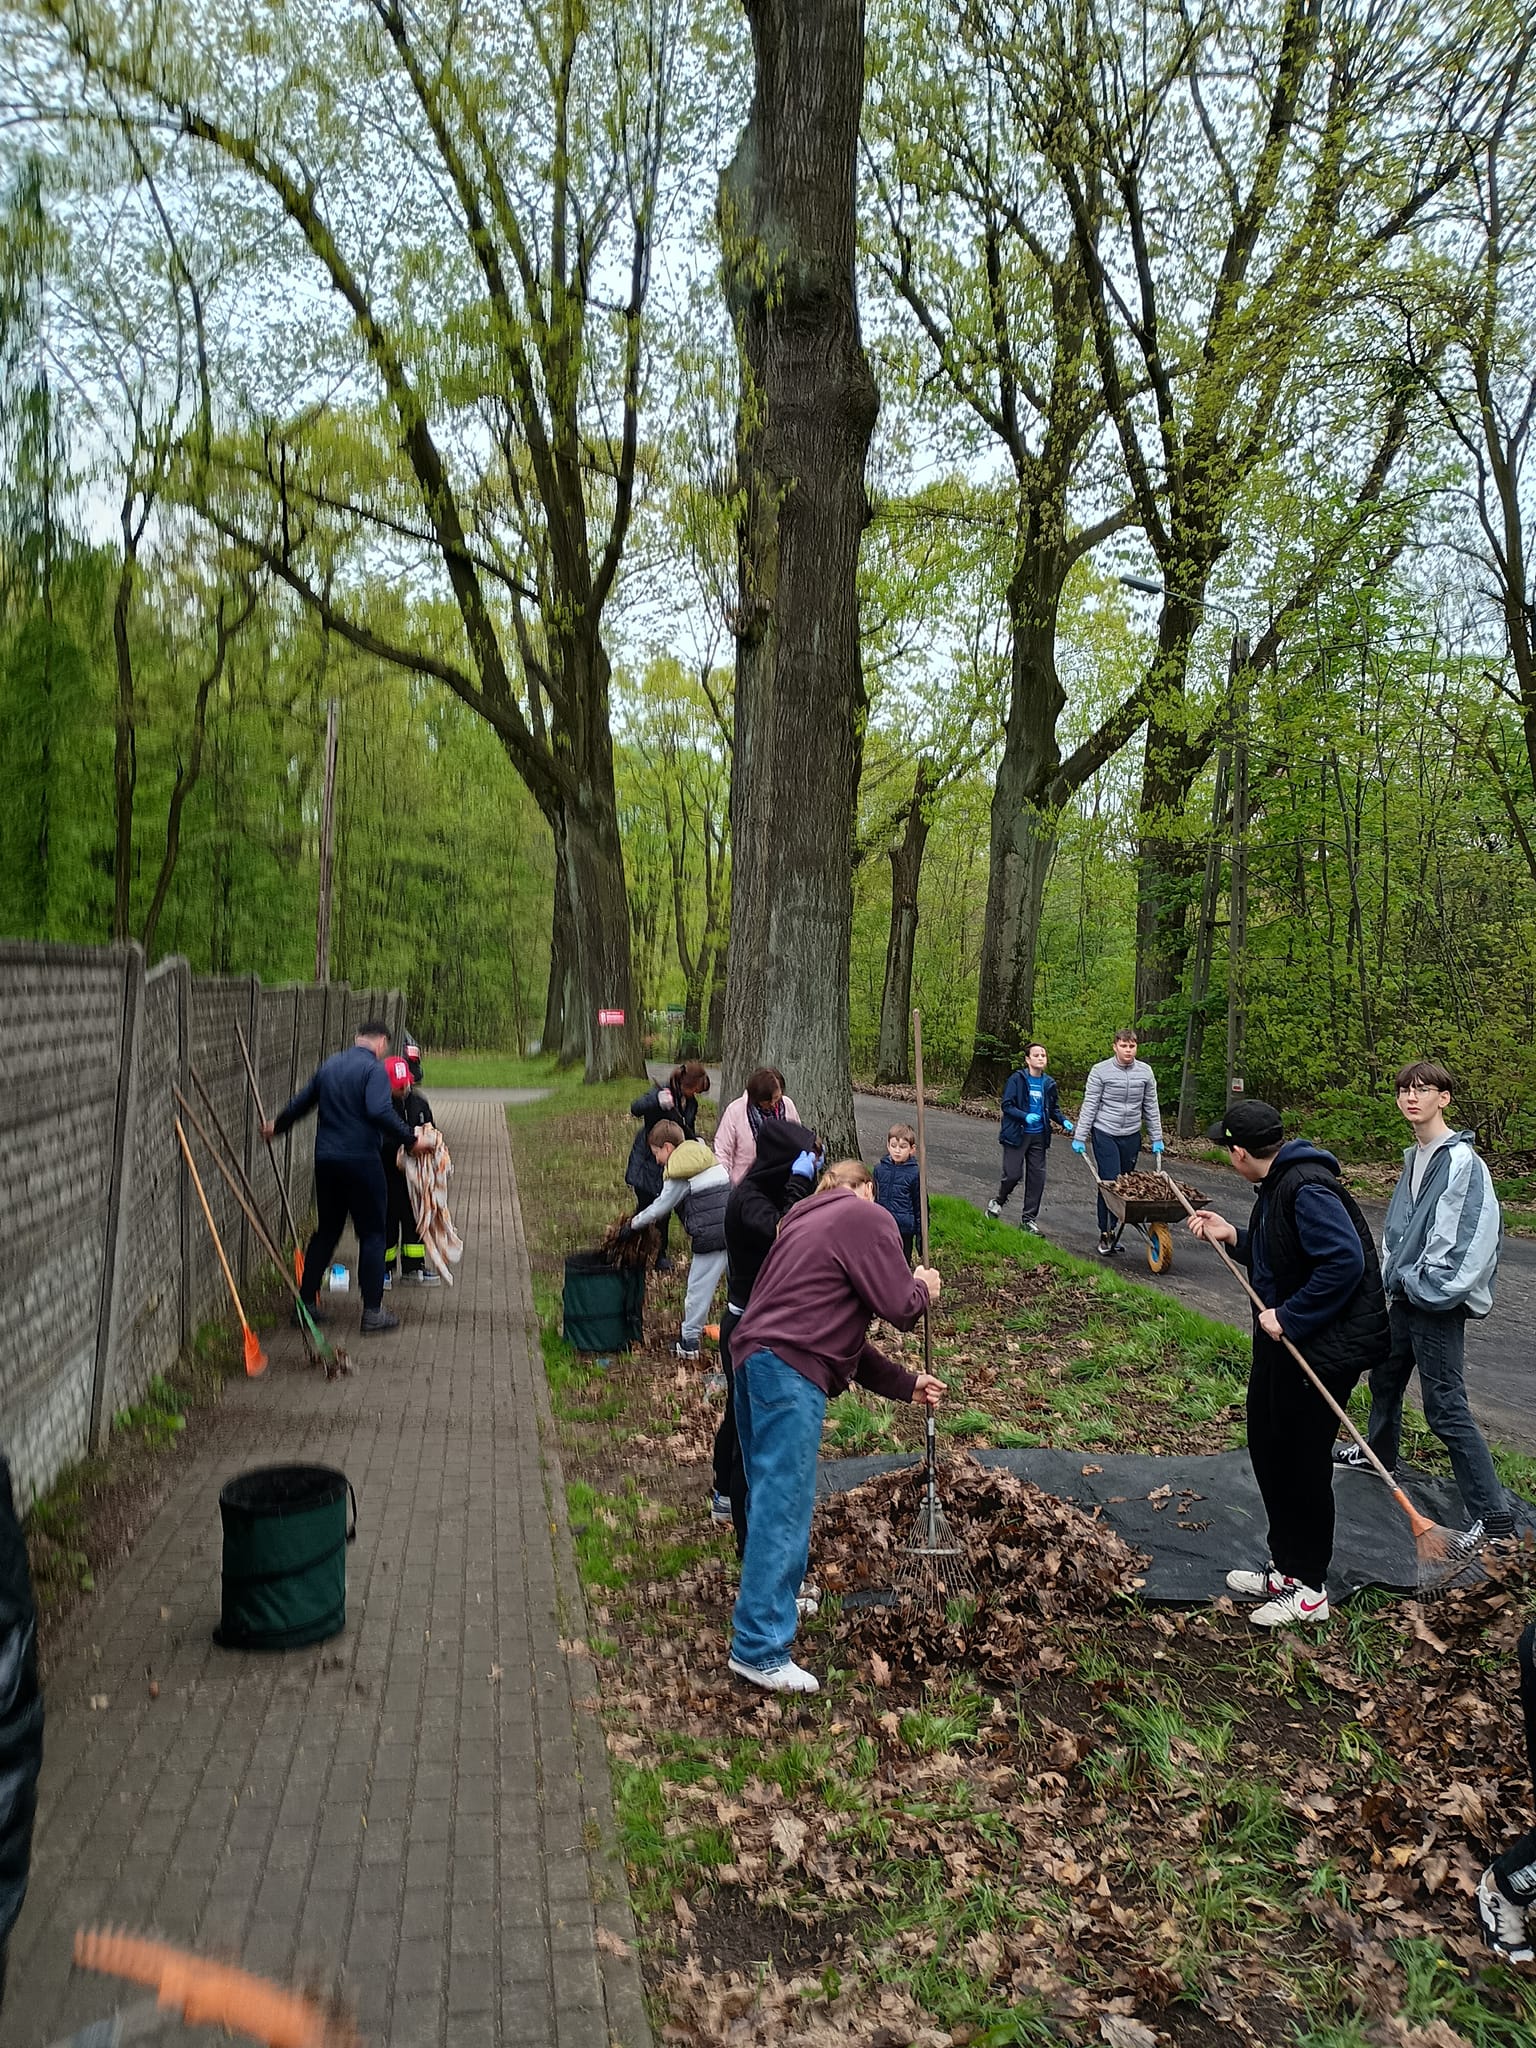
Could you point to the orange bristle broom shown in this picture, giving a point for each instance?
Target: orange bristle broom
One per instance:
(215, 1994)
(255, 1357)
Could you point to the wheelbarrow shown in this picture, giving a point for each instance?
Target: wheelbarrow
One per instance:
(1149, 1216)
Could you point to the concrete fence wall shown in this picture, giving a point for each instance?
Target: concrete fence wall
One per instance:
(106, 1266)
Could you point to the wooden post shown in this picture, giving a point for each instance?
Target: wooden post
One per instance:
(1205, 945)
(327, 846)
(119, 1200)
(183, 1186)
(1237, 926)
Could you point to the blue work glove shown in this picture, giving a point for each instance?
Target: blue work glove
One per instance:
(1157, 1149)
(805, 1166)
(1066, 1125)
(1079, 1146)
(1033, 1120)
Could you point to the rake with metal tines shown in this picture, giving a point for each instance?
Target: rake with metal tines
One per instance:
(933, 1563)
(1444, 1556)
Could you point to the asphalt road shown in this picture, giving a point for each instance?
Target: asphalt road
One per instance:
(964, 1159)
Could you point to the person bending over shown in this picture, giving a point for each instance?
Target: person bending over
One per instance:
(836, 1264)
(354, 1119)
(695, 1184)
(789, 1157)
(1312, 1261)
(676, 1101)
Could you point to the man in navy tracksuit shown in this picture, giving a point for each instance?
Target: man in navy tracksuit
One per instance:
(351, 1094)
(1030, 1107)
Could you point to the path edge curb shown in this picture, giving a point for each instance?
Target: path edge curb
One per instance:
(629, 2024)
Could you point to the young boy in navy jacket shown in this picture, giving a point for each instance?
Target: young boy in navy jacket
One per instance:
(1030, 1107)
(897, 1183)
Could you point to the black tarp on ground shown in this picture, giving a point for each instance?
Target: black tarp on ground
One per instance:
(1199, 1517)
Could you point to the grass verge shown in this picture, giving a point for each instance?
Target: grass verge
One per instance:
(1168, 1828)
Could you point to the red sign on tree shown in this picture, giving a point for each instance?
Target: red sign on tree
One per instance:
(610, 1016)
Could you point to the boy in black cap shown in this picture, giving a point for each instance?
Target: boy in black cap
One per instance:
(1312, 1261)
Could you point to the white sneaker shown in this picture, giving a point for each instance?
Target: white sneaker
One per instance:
(1503, 1922)
(1262, 1585)
(786, 1677)
(808, 1600)
(1348, 1452)
(1298, 1603)
(994, 1207)
(1470, 1541)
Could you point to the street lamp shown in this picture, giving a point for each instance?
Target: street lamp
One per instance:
(1237, 924)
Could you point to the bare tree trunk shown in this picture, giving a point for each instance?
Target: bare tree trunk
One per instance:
(1024, 811)
(892, 1060)
(560, 956)
(788, 232)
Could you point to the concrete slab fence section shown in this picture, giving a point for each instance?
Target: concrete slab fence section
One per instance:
(106, 1268)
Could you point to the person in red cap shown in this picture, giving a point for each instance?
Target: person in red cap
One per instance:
(402, 1236)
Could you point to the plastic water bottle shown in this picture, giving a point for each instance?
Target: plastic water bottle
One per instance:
(338, 1280)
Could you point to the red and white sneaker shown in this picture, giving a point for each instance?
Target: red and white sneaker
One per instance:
(1298, 1603)
(1264, 1585)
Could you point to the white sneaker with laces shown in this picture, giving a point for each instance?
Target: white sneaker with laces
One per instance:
(786, 1677)
(994, 1207)
(1470, 1541)
(1503, 1922)
(1264, 1585)
(1348, 1452)
(1298, 1603)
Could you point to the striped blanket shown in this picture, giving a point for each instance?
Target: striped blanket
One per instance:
(427, 1175)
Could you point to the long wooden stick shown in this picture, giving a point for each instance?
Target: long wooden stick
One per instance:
(234, 1292)
(282, 1185)
(224, 1139)
(930, 1430)
(252, 1214)
(1422, 1524)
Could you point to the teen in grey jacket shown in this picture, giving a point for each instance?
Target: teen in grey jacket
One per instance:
(1440, 1247)
(1119, 1100)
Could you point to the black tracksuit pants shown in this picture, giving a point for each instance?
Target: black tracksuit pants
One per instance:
(343, 1188)
(402, 1238)
(1291, 1430)
(1515, 1871)
(1025, 1162)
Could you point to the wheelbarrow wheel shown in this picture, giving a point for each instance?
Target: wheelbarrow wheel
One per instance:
(1159, 1247)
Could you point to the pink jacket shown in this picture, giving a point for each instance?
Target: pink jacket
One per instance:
(734, 1143)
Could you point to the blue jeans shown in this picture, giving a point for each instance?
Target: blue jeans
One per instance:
(1113, 1156)
(779, 1413)
(1435, 1341)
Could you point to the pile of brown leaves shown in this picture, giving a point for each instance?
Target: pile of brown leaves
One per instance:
(1035, 1558)
(624, 1248)
(1153, 1187)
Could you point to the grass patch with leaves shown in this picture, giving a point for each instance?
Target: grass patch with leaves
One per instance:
(1160, 1827)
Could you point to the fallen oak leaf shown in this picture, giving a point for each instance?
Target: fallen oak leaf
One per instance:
(1121, 2032)
(788, 1836)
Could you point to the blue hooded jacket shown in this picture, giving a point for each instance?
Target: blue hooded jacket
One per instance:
(1021, 1118)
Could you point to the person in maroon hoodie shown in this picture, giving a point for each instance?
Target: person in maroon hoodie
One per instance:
(836, 1263)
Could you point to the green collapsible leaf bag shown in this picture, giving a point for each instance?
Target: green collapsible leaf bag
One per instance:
(603, 1308)
(285, 1557)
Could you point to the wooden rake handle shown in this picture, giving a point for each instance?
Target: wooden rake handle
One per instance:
(282, 1185)
(234, 1292)
(1420, 1522)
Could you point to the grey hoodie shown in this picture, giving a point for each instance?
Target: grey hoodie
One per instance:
(1441, 1251)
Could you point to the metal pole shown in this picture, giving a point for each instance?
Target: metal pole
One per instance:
(327, 846)
(1237, 927)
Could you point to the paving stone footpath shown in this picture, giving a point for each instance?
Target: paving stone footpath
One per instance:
(416, 1815)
